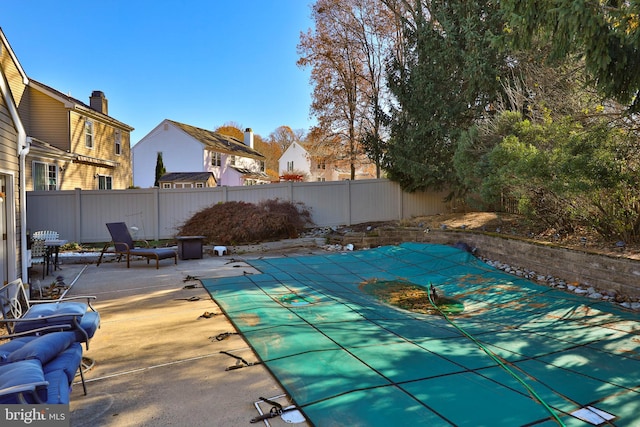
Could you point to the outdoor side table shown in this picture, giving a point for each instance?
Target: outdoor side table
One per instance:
(53, 250)
(190, 247)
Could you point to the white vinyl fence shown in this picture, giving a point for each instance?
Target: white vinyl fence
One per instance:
(80, 215)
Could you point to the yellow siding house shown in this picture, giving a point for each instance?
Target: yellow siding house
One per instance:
(74, 145)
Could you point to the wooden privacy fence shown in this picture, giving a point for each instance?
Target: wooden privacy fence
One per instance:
(80, 215)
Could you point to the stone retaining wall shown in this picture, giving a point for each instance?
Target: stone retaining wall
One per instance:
(618, 274)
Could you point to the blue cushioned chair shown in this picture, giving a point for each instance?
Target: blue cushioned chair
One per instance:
(39, 369)
(123, 245)
(20, 315)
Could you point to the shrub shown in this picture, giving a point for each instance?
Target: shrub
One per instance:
(241, 222)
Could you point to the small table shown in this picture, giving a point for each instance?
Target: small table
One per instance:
(53, 249)
(190, 247)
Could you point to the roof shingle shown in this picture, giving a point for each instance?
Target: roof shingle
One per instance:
(219, 142)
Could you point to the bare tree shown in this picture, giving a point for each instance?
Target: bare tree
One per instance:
(284, 136)
(345, 52)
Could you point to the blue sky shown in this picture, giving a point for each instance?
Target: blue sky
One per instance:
(200, 62)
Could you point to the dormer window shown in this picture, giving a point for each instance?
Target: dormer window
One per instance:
(88, 133)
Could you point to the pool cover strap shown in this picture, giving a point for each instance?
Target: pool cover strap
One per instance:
(239, 362)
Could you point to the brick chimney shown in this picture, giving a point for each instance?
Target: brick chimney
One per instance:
(248, 137)
(98, 102)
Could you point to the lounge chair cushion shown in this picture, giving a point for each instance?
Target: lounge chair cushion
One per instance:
(32, 362)
(90, 323)
(17, 374)
(161, 253)
(43, 348)
(58, 390)
(61, 310)
(67, 362)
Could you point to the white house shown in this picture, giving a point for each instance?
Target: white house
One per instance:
(322, 166)
(188, 148)
(295, 158)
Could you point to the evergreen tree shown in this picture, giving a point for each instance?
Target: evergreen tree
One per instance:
(160, 170)
(605, 33)
(445, 78)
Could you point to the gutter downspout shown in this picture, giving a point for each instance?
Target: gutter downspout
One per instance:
(24, 144)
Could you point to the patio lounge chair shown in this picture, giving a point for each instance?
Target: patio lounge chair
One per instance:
(21, 315)
(123, 245)
(25, 318)
(39, 369)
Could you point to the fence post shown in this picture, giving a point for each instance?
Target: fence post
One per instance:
(156, 211)
(348, 202)
(77, 215)
(400, 202)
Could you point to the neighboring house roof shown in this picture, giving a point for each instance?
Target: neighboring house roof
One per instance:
(186, 176)
(74, 103)
(219, 142)
(252, 174)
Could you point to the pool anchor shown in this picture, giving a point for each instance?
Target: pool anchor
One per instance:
(290, 412)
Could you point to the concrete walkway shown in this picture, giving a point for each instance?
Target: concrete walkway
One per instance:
(157, 360)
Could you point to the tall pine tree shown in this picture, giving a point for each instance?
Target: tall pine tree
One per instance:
(444, 79)
(160, 170)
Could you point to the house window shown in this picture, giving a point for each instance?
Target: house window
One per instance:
(118, 142)
(290, 165)
(199, 185)
(216, 159)
(105, 182)
(321, 179)
(232, 161)
(88, 133)
(166, 185)
(45, 176)
(262, 166)
(322, 165)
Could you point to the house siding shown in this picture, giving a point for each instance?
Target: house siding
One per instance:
(50, 122)
(104, 135)
(9, 168)
(15, 79)
(298, 155)
(181, 153)
(334, 170)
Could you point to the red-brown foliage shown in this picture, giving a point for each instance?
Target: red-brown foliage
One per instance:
(233, 223)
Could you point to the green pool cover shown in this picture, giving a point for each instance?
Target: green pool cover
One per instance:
(519, 354)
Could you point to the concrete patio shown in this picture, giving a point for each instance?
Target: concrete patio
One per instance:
(157, 359)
